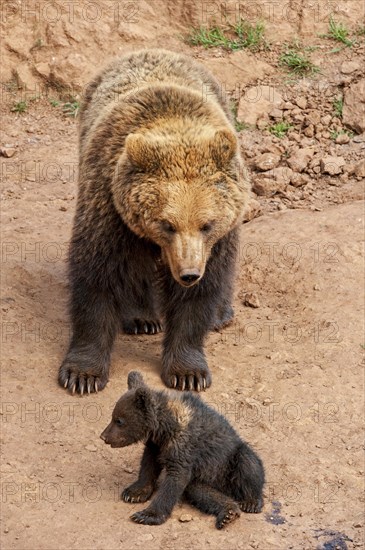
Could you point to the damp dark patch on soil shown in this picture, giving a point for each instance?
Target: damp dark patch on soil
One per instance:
(337, 540)
(274, 516)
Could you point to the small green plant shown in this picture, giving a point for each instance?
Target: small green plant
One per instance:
(334, 134)
(339, 32)
(19, 107)
(54, 102)
(233, 37)
(237, 124)
(71, 108)
(280, 129)
(338, 107)
(297, 62)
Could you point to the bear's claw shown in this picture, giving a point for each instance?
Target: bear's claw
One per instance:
(251, 506)
(81, 380)
(148, 517)
(227, 517)
(134, 494)
(188, 382)
(141, 326)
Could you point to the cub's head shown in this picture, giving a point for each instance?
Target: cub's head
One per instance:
(133, 417)
(182, 189)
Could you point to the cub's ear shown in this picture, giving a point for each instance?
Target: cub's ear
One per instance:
(135, 380)
(144, 399)
(141, 151)
(223, 147)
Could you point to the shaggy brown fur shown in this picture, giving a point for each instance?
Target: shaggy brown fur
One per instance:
(161, 192)
(203, 458)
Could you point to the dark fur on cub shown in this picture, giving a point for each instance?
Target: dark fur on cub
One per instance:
(161, 190)
(204, 460)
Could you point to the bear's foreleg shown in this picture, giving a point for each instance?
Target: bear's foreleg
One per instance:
(94, 322)
(150, 469)
(168, 494)
(190, 314)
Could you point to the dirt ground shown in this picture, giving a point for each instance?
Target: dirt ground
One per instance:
(288, 373)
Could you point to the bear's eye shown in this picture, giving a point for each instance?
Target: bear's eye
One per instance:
(206, 227)
(168, 227)
(120, 421)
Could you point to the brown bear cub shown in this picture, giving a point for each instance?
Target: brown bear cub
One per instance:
(162, 188)
(204, 460)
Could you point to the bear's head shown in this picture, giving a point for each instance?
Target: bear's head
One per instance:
(133, 417)
(182, 188)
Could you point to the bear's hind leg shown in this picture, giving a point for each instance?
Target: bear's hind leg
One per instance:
(246, 479)
(210, 501)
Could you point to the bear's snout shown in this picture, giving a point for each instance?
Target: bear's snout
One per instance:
(189, 276)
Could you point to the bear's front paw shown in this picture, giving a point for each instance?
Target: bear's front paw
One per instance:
(148, 517)
(80, 378)
(186, 372)
(136, 493)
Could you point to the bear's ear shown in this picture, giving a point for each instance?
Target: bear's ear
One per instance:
(141, 151)
(135, 380)
(143, 399)
(224, 146)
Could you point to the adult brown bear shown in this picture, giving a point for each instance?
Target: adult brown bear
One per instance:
(161, 192)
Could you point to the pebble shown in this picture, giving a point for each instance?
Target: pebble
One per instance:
(91, 448)
(349, 67)
(251, 300)
(332, 165)
(184, 518)
(146, 537)
(342, 139)
(267, 161)
(7, 152)
(301, 102)
(299, 160)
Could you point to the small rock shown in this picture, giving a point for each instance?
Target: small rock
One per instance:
(313, 117)
(276, 113)
(349, 67)
(298, 180)
(358, 525)
(354, 107)
(309, 131)
(359, 169)
(251, 300)
(341, 139)
(91, 448)
(253, 210)
(288, 106)
(267, 161)
(184, 518)
(7, 152)
(63, 208)
(267, 187)
(6, 530)
(332, 165)
(262, 123)
(128, 470)
(326, 120)
(299, 160)
(301, 102)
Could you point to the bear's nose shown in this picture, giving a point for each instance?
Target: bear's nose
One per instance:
(103, 436)
(189, 276)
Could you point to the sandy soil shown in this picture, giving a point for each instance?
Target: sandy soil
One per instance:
(289, 374)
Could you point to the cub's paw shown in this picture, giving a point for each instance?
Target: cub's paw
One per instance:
(252, 506)
(78, 378)
(148, 517)
(227, 516)
(141, 326)
(135, 493)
